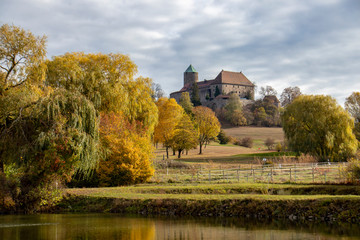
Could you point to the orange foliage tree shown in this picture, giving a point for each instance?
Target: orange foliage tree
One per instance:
(129, 151)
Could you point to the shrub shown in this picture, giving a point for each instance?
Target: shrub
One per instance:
(278, 147)
(353, 170)
(269, 142)
(245, 142)
(223, 138)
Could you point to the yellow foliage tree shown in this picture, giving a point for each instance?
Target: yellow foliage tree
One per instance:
(317, 125)
(108, 81)
(185, 135)
(129, 152)
(169, 115)
(207, 123)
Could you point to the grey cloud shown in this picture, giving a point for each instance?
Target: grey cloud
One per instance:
(307, 43)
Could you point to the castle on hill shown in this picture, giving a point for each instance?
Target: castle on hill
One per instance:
(215, 93)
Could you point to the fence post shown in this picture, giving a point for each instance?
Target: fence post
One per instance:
(209, 176)
(223, 175)
(290, 174)
(339, 173)
(295, 173)
(312, 168)
(167, 171)
(247, 177)
(197, 176)
(271, 175)
(238, 177)
(253, 172)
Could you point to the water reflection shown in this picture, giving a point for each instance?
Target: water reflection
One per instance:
(113, 226)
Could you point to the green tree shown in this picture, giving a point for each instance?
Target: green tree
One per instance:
(223, 138)
(233, 111)
(185, 135)
(217, 91)
(207, 123)
(318, 126)
(50, 144)
(195, 96)
(260, 115)
(352, 105)
(186, 103)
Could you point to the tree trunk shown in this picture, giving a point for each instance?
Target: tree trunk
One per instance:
(200, 148)
(167, 152)
(1, 166)
(179, 155)
(174, 152)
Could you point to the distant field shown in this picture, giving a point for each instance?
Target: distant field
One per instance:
(257, 133)
(229, 153)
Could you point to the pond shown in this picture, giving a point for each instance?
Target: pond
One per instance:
(114, 226)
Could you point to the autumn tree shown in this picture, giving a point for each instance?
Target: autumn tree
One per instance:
(58, 136)
(108, 81)
(266, 112)
(288, 95)
(317, 125)
(169, 115)
(207, 123)
(186, 103)
(352, 105)
(185, 135)
(21, 74)
(233, 111)
(129, 152)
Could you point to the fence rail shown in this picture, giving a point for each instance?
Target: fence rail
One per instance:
(277, 173)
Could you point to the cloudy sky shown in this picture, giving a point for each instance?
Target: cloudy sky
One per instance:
(313, 44)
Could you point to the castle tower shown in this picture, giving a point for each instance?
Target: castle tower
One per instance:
(190, 75)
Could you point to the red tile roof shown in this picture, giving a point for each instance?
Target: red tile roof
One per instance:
(232, 78)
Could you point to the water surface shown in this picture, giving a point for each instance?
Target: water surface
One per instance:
(114, 226)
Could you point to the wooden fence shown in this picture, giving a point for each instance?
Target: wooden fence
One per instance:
(276, 173)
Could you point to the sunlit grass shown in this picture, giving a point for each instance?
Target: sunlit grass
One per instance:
(220, 192)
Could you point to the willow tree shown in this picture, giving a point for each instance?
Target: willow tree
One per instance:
(58, 137)
(21, 74)
(317, 125)
(108, 81)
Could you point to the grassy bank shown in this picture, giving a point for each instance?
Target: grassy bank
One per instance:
(305, 202)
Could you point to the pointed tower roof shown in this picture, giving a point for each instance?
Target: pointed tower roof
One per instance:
(190, 69)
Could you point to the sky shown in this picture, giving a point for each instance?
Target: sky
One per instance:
(312, 44)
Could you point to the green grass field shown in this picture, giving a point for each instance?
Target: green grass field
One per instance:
(225, 191)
